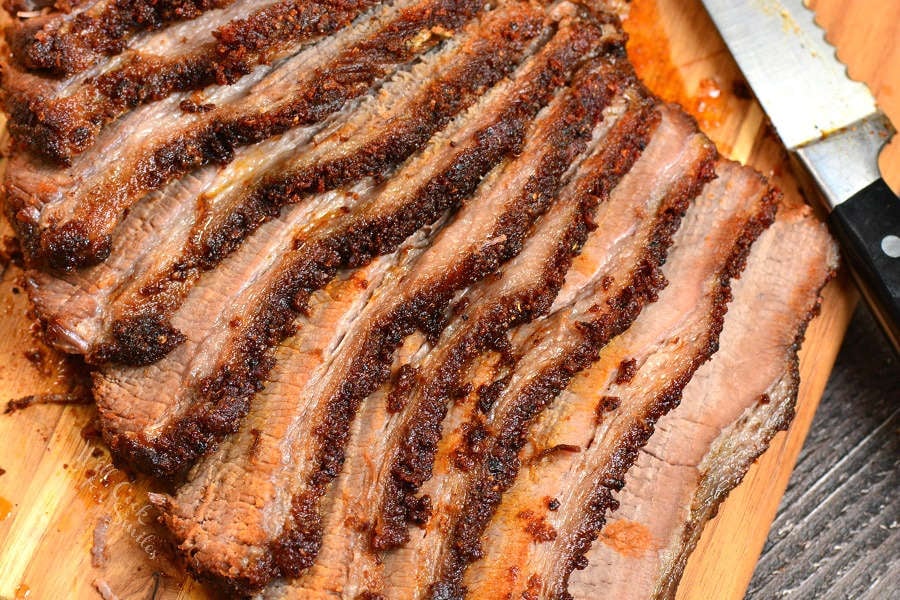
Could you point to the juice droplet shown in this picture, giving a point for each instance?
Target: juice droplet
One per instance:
(5, 508)
(22, 592)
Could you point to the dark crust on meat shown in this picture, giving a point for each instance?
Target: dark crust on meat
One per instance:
(695, 525)
(299, 542)
(63, 45)
(358, 241)
(413, 463)
(374, 368)
(227, 391)
(84, 239)
(627, 451)
(491, 58)
(501, 465)
(60, 128)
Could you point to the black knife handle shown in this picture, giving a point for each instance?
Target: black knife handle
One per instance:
(868, 229)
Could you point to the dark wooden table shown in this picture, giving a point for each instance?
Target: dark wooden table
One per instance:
(837, 534)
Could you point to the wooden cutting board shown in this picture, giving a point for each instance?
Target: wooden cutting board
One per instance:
(59, 491)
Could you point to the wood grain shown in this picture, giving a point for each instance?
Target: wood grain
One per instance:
(720, 567)
(59, 484)
(867, 36)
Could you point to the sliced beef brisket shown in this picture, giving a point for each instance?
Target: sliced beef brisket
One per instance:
(605, 415)
(702, 449)
(620, 261)
(394, 292)
(60, 118)
(217, 514)
(487, 230)
(523, 290)
(226, 363)
(262, 180)
(66, 216)
(429, 379)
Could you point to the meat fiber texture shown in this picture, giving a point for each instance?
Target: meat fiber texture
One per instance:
(396, 294)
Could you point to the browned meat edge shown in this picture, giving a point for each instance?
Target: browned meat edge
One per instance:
(785, 415)
(61, 127)
(135, 337)
(626, 453)
(413, 463)
(573, 124)
(226, 393)
(64, 44)
(85, 238)
(483, 497)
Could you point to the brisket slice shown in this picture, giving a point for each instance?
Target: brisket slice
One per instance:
(344, 559)
(578, 451)
(66, 217)
(618, 274)
(78, 310)
(61, 118)
(219, 365)
(125, 324)
(701, 450)
(63, 43)
(522, 289)
(234, 489)
(481, 236)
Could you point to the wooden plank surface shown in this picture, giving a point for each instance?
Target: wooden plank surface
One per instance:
(866, 34)
(59, 491)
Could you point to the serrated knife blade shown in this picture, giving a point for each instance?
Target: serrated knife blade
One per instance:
(793, 71)
(833, 127)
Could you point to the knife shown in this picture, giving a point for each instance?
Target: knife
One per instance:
(833, 129)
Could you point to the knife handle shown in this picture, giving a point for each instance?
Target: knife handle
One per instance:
(868, 228)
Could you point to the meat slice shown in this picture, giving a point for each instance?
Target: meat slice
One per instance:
(64, 43)
(484, 233)
(124, 322)
(230, 521)
(578, 451)
(266, 280)
(522, 291)
(345, 564)
(701, 450)
(616, 275)
(60, 118)
(426, 381)
(66, 217)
